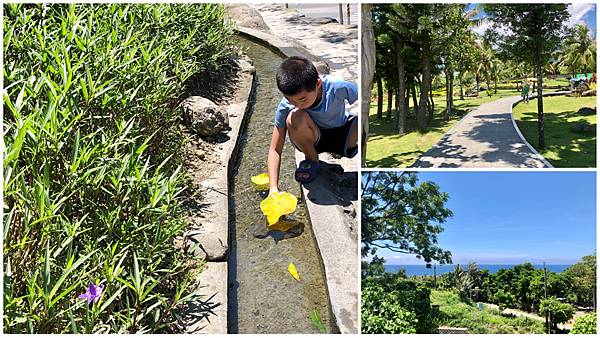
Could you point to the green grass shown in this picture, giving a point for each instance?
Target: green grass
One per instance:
(459, 314)
(386, 148)
(564, 148)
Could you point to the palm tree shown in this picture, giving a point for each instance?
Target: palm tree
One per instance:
(579, 50)
(464, 282)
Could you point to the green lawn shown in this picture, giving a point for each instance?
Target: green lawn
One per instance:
(564, 148)
(385, 148)
(455, 313)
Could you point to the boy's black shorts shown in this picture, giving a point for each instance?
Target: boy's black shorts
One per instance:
(335, 140)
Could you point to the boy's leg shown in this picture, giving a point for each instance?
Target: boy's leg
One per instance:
(304, 133)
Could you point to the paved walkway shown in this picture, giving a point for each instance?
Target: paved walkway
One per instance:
(484, 138)
(335, 43)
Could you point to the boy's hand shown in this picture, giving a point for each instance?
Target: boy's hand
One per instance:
(274, 158)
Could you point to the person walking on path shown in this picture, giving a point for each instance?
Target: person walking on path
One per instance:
(525, 92)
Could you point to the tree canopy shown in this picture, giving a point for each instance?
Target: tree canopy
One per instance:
(403, 215)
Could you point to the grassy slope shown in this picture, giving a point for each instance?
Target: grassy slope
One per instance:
(386, 148)
(458, 314)
(564, 148)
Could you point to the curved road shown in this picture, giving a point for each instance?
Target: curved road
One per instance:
(486, 137)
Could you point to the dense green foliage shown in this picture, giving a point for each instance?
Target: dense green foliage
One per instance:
(583, 281)
(586, 324)
(92, 180)
(404, 296)
(382, 313)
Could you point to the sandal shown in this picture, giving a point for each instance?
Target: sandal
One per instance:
(306, 167)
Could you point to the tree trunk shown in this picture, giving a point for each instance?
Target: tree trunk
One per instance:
(426, 82)
(379, 98)
(430, 105)
(414, 97)
(540, 103)
(460, 78)
(397, 104)
(406, 105)
(495, 86)
(401, 89)
(449, 93)
(368, 69)
(477, 84)
(390, 102)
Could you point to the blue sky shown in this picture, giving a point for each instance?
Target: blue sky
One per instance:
(580, 13)
(514, 217)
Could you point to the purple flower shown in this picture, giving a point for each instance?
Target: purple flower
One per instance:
(93, 293)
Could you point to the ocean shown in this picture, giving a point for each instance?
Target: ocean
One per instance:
(421, 270)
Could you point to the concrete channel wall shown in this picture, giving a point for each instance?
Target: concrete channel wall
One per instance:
(338, 249)
(213, 281)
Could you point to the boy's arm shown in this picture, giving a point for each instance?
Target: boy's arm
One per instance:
(351, 91)
(274, 158)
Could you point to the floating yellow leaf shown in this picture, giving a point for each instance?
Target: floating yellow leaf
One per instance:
(260, 182)
(277, 205)
(293, 271)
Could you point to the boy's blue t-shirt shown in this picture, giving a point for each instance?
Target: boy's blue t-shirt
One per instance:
(331, 111)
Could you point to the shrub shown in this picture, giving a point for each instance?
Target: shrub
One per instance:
(91, 187)
(381, 312)
(585, 324)
(559, 312)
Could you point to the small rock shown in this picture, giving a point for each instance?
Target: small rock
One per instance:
(207, 246)
(246, 66)
(322, 67)
(587, 111)
(204, 116)
(582, 87)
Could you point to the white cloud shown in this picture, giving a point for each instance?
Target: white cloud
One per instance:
(578, 11)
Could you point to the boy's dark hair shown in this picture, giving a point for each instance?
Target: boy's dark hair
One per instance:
(296, 73)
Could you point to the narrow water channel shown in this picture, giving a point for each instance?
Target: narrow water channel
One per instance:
(263, 297)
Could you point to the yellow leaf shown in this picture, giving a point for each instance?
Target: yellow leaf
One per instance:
(260, 182)
(277, 205)
(293, 271)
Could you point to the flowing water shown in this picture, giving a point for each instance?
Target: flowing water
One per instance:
(263, 297)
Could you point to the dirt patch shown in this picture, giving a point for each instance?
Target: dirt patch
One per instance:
(201, 159)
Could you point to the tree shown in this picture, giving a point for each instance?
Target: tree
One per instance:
(373, 268)
(579, 50)
(583, 275)
(557, 311)
(464, 282)
(368, 68)
(503, 299)
(530, 33)
(402, 215)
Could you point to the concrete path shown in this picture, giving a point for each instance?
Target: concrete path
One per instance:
(337, 44)
(486, 137)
